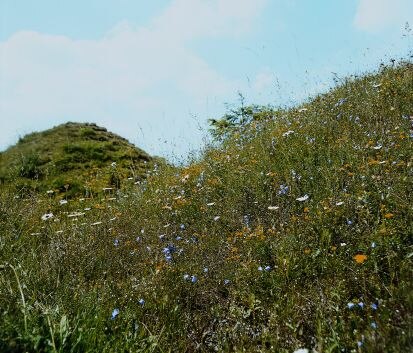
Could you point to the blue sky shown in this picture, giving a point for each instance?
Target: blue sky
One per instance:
(155, 71)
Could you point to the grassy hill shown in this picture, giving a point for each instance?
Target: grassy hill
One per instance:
(294, 230)
(72, 158)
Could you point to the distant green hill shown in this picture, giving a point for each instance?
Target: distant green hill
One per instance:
(73, 158)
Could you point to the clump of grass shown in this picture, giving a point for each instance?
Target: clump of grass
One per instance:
(294, 230)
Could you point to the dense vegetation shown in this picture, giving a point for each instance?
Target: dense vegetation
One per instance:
(72, 159)
(294, 230)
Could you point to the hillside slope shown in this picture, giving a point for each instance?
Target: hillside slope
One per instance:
(294, 230)
(74, 158)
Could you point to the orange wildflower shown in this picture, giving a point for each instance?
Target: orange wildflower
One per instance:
(360, 258)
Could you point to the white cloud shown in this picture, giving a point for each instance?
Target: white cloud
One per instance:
(263, 80)
(374, 15)
(133, 74)
(191, 19)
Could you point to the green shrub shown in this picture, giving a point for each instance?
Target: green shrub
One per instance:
(30, 166)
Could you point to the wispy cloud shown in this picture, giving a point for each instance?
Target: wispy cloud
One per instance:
(134, 73)
(375, 15)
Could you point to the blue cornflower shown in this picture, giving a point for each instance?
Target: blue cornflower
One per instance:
(182, 226)
(283, 189)
(361, 305)
(116, 242)
(226, 281)
(115, 313)
(341, 102)
(350, 305)
(194, 279)
(168, 250)
(141, 302)
(349, 222)
(374, 306)
(267, 268)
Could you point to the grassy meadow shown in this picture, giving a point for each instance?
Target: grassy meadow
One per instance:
(294, 229)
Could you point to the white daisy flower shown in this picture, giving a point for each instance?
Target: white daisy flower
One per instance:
(303, 198)
(47, 216)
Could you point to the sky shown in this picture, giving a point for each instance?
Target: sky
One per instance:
(156, 71)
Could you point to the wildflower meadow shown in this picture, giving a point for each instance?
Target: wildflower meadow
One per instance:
(291, 231)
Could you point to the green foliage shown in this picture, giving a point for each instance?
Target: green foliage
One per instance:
(77, 153)
(294, 231)
(29, 166)
(236, 121)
